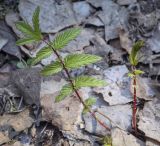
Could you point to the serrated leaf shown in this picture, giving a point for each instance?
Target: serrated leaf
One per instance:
(51, 69)
(87, 81)
(63, 38)
(24, 41)
(35, 20)
(88, 102)
(43, 53)
(131, 75)
(133, 55)
(25, 28)
(78, 60)
(85, 110)
(65, 91)
(138, 72)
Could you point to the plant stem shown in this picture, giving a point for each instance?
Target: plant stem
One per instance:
(134, 118)
(75, 90)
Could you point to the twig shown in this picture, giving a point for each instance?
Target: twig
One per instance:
(134, 118)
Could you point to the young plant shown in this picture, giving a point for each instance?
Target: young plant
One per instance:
(133, 58)
(72, 61)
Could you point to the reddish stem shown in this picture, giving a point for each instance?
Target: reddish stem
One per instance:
(75, 90)
(134, 118)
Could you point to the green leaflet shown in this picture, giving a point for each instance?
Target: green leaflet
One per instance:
(63, 38)
(131, 75)
(25, 28)
(107, 141)
(32, 34)
(133, 55)
(87, 81)
(51, 69)
(78, 60)
(135, 72)
(43, 53)
(25, 41)
(65, 91)
(35, 20)
(138, 72)
(88, 102)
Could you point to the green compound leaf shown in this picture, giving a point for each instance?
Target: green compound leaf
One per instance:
(65, 37)
(88, 102)
(87, 81)
(43, 53)
(32, 35)
(65, 91)
(134, 53)
(51, 69)
(78, 60)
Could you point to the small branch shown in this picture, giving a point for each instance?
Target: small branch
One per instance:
(110, 120)
(134, 118)
(75, 90)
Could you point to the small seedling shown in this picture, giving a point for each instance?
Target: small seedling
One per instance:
(133, 58)
(72, 61)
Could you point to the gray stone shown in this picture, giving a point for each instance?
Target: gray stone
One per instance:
(112, 15)
(18, 122)
(95, 21)
(125, 41)
(10, 47)
(145, 89)
(126, 2)
(154, 41)
(53, 16)
(11, 19)
(28, 83)
(150, 143)
(4, 137)
(3, 41)
(117, 91)
(121, 115)
(82, 10)
(122, 138)
(149, 119)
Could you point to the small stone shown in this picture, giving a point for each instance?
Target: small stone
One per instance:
(145, 88)
(3, 41)
(10, 46)
(149, 119)
(18, 122)
(150, 143)
(126, 2)
(11, 19)
(125, 42)
(4, 138)
(121, 115)
(82, 10)
(28, 83)
(95, 21)
(122, 138)
(154, 41)
(118, 89)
